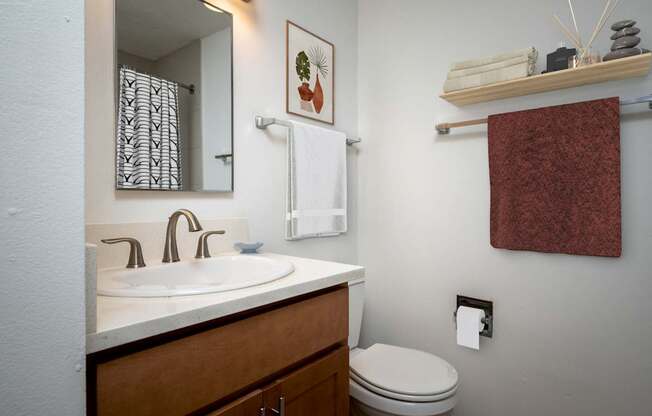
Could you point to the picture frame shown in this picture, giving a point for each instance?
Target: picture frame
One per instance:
(309, 75)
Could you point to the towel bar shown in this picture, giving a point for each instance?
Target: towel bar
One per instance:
(445, 128)
(263, 122)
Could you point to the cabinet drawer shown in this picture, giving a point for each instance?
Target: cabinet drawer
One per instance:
(249, 405)
(190, 373)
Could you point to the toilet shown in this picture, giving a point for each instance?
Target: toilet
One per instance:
(387, 380)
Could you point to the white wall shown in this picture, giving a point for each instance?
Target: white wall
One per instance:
(573, 334)
(137, 62)
(216, 109)
(259, 84)
(41, 205)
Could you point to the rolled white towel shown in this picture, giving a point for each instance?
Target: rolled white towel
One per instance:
(530, 53)
(509, 73)
(492, 67)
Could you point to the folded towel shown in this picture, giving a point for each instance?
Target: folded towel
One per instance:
(316, 189)
(491, 67)
(555, 179)
(521, 70)
(531, 53)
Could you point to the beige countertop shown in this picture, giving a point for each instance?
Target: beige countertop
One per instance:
(124, 320)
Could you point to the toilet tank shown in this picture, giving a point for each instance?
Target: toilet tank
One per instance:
(356, 306)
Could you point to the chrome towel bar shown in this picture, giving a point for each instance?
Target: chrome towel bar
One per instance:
(264, 122)
(445, 128)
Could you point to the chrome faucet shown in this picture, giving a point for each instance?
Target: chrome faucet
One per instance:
(171, 252)
(202, 244)
(135, 251)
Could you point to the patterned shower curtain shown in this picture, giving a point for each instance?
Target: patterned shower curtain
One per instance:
(148, 143)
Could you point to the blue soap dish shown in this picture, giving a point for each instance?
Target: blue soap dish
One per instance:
(248, 248)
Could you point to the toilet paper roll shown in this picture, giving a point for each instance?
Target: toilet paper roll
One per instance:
(469, 326)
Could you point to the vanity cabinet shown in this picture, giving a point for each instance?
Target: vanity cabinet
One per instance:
(292, 354)
(317, 389)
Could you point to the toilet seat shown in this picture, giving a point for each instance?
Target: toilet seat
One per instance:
(404, 373)
(402, 397)
(402, 381)
(394, 407)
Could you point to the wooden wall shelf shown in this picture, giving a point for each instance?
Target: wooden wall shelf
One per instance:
(635, 66)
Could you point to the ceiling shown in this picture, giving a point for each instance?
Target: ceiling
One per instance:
(155, 28)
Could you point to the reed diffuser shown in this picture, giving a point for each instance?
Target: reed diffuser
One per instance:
(584, 55)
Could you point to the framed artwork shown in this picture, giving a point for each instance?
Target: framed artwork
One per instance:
(310, 67)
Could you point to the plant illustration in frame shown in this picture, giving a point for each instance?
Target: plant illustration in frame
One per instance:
(318, 60)
(303, 72)
(310, 80)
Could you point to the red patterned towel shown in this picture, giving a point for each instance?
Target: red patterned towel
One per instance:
(555, 179)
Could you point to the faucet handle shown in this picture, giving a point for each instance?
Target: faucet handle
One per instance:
(202, 244)
(135, 251)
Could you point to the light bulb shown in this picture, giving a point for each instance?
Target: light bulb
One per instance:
(212, 7)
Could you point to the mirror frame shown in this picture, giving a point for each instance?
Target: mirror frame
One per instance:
(115, 93)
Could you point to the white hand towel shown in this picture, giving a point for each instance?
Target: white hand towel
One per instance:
(316, 189)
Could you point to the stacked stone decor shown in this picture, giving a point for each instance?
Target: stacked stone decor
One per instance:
(625, 41)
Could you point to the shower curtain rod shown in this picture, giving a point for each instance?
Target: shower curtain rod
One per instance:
(445, 128)
(189, 87)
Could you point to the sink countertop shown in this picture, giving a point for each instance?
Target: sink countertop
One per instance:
(124, 320)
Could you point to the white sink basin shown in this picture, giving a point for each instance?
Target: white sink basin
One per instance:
(192, 277)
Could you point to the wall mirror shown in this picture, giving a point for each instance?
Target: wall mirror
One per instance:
(174, 96)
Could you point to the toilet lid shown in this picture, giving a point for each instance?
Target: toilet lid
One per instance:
(404, 371)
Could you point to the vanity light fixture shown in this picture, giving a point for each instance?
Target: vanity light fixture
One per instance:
(210, 6)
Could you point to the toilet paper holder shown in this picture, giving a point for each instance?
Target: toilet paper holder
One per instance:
(485, 305)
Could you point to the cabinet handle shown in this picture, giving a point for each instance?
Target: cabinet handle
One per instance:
(281, 407)
(261, 412)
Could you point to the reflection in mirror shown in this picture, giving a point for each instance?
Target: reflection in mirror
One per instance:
(174, 96)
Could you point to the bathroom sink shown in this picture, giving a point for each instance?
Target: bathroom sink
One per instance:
(192, 277)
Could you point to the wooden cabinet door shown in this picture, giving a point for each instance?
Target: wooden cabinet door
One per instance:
(249, 405)
(191, 372)
(318, 389)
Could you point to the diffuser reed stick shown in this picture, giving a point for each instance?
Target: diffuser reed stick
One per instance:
(602, 17)
(577, 30)
(606, 15)
(567, 32)
(576, 38)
